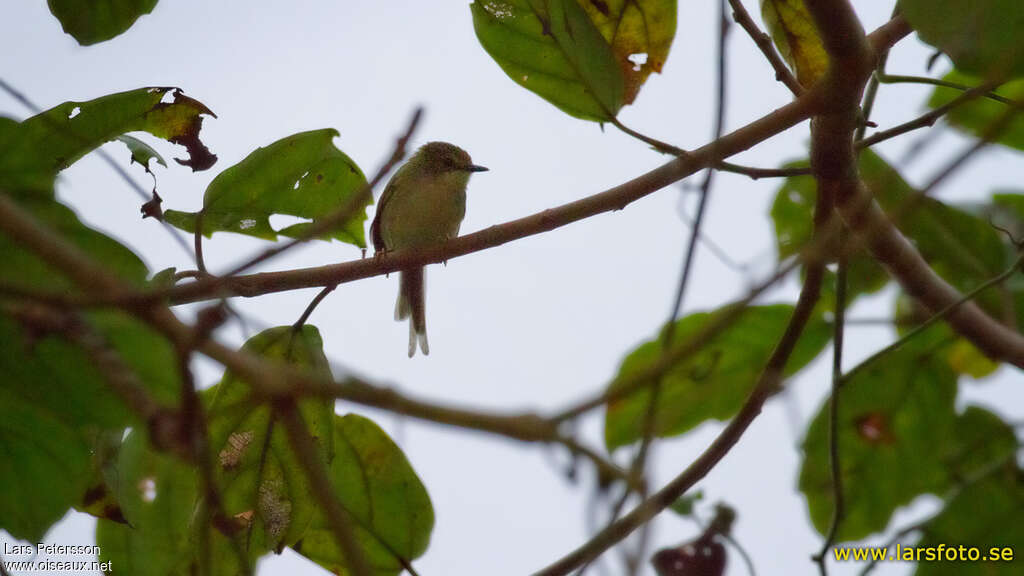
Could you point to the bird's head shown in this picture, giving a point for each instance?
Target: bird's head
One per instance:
(441, 157)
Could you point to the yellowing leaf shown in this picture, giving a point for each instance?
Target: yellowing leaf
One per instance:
(793, 32)
(640, 33)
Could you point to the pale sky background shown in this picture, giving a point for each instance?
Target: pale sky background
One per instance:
(529, 325)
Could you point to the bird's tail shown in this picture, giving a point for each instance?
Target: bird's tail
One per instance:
(411, 304)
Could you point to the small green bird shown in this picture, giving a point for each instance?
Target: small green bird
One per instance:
(422, 205)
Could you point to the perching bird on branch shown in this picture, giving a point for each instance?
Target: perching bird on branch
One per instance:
(422, 205)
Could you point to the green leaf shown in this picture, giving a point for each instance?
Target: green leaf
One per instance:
(157, 493)
(142, 153)
(303, 175)
(553, 49)
(892, 416)
(793, 31)
(382, 493)
(986, 515)
(34, 151)
(977, 116)
(713, 383)
(94, 21)
(44, 469)
(640, 33)
(259, 476)
(981, 36)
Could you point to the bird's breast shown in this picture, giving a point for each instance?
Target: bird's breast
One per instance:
(428, 213)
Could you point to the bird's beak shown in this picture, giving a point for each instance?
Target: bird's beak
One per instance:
(475, 168)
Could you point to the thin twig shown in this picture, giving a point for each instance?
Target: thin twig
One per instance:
(835, 470)
(312, 306)
(764, 43)
(928, 119)
(899, 79)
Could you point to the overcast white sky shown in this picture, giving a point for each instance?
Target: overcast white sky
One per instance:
(532, 324)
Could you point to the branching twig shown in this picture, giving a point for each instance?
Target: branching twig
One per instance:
(898, 79)
(312, 306)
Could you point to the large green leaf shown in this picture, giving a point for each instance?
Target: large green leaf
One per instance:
(34, 151)
(713, 383)
(793, 31)
(260, 478)
(552, 48)
(303, 175)
(382, 493)
(892, 417)
(981, 36)
(92, 21)
(44, 467)
(979, 115)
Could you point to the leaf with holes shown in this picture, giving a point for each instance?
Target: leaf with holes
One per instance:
(98, 20)
(262, 483)
(981, 36)
(712, 383)
(640, 33)
(892, 416)
(796, 37)
(34, 151)
(381, 492)
(304, 175)
(979, 115)
(553, 49)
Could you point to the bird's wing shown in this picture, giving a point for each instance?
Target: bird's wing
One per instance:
(376, 235)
